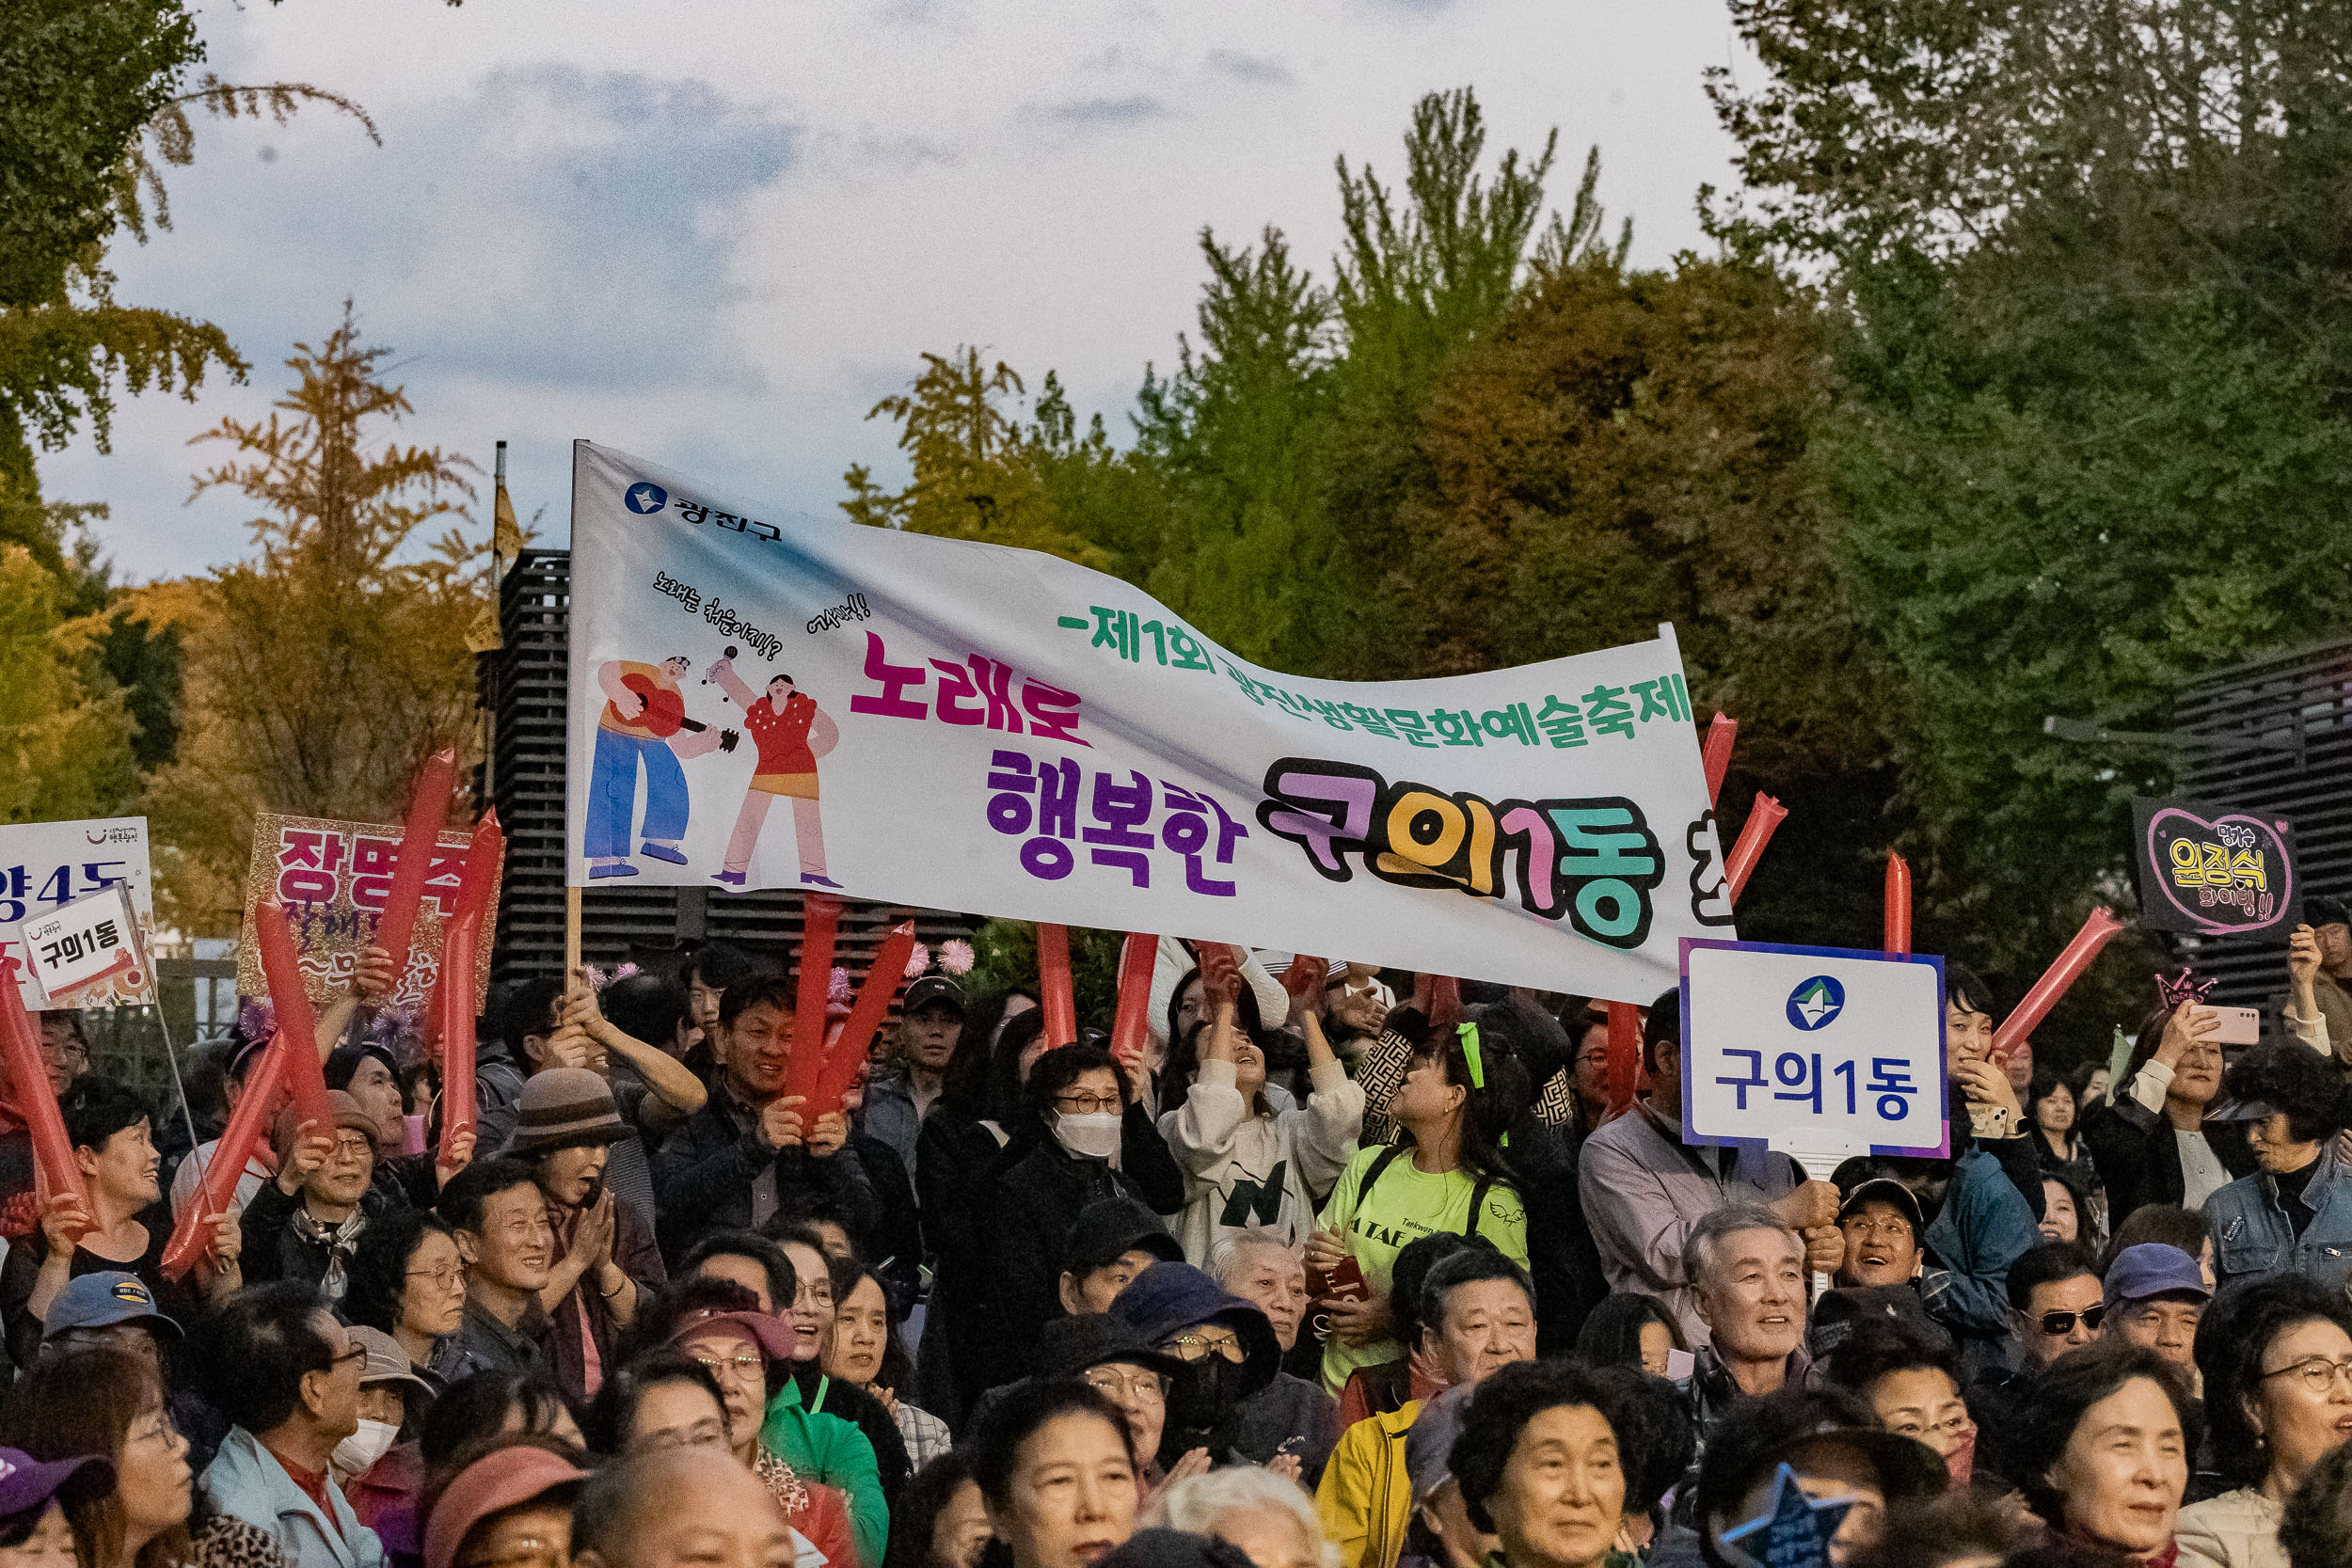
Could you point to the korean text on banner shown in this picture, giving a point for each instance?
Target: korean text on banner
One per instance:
(89, 953)
(1820, 1053)
(940, 722)
(333, 878)
(45, 866)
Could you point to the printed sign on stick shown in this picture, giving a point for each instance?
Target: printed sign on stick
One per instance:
(45, 866)
(2214, 870)
(1820, 1053)
(89, 953)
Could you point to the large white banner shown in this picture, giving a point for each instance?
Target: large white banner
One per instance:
(965, 726)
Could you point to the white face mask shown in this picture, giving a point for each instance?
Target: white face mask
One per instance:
(1094, 1135)
(358, 1453)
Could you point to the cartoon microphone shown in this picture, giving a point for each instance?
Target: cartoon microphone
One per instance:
(731, 652)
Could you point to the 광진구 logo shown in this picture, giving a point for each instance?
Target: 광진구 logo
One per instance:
(646, 498)
(1815, 1001)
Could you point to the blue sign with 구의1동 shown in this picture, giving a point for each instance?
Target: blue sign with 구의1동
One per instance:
(1819, 1051)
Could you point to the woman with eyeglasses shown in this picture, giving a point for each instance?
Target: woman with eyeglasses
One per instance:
(2294, 1214)
(1097, 1142)
(407, 1278)
(1915, 1387)
(2155, 1144)
(2277, 1359)
(743, 1351)
(111, 1403)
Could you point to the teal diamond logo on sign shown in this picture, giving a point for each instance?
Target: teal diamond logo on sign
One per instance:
(1816, 1002)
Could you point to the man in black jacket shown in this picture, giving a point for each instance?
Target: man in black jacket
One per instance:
(734, 1162)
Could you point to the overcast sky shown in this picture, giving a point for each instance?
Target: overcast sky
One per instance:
(713, 233)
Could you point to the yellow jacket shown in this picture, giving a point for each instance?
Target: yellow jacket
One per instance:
(1366, 1498)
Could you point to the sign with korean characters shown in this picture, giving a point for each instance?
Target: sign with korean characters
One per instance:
(332, 877)
(46, 866)
(2214, 871)
(942, 722)
(1820, 1053)
(89, 953)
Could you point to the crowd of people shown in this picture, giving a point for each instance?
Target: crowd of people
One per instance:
(1318, 1280)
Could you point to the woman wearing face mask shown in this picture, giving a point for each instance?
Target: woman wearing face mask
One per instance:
(110, 1404)
(380, 1475)
(2157, 1144)
(865, 1353)
(2103, 1450)
(1231, 1141)
(1094, 1143)
(1226, 1353)
(2296, 1212)
(1454, 1105)
(2277, 1359)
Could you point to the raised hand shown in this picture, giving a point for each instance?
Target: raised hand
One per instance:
(780, 1125)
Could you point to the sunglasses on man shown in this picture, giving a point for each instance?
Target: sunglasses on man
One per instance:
(2056, 1323)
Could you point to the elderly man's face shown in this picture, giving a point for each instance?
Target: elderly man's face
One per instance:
(1482, 1326)
(1752, 1295)
(2166, 1325)
(1881, 1248)
(734, 1522)
(1274, 1280)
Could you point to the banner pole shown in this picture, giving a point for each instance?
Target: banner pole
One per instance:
(490, 709)
(571, 929)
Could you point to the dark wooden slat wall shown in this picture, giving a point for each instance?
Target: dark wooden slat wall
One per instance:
(2302, 700)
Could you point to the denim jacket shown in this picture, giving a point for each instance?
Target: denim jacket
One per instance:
(2252, 1237)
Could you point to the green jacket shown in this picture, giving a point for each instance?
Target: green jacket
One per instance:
(830, 1449)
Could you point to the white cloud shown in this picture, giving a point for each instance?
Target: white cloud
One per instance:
(714, 235)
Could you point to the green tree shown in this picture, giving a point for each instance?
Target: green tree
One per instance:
(321, 670)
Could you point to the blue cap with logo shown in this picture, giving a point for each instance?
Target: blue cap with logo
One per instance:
(102, 1300)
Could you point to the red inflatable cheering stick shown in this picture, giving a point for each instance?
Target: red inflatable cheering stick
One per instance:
(820, 923)
(257, 1106)
(1756, 832)
(460, 940)
(282, 972)
(1898, 906)
(2098, 930)
(1131, 1028)
(428, 808)
(847, 1057)
(20, 1039)
(1721, 730)
(483, 857)
(1625, 1055)
(1053, 984)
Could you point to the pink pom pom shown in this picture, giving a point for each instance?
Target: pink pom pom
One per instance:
(955, 956)
(918, 960)
(623, 972)
(596, 976)
(837, 987)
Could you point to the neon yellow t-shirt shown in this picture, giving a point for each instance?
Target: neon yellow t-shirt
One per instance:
(1405, 1205)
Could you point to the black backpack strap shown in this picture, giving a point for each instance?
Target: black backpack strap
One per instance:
(1478, 1206)
(1380, 1163)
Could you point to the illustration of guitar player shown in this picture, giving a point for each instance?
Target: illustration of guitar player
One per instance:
(791, 733)
(644, 722)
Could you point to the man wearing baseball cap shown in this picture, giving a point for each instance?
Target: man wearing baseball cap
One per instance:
(2155, 1293)
(931, 1027)
(109, 1307)
(1113, 1240)
(565, 1125)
